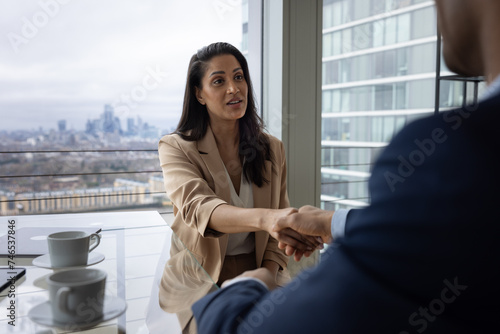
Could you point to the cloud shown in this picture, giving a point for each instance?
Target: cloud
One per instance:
(76, 56)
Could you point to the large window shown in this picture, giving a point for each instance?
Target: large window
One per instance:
(378, 74)
(86, 91)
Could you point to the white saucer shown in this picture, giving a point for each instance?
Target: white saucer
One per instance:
(42, 314)
(44, 261)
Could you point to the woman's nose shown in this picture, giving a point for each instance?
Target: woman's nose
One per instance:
(232, 88)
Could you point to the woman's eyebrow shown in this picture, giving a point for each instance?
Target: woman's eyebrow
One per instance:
(216, 72)
(222, 72)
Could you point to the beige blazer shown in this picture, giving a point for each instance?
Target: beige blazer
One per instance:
(196, 182)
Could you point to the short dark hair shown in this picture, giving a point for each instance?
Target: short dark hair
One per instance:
(254, 144)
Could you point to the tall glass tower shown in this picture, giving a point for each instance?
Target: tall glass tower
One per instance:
(379, 73)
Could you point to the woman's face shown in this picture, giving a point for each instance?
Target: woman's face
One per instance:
(223, 89)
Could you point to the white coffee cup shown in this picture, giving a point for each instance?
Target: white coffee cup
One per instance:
(71, 248)
(77, 295)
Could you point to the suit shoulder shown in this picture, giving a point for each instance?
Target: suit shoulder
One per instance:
(175, 140)
(454, 122)
(170, 138)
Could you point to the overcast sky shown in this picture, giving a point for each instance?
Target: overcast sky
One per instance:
(66, 59)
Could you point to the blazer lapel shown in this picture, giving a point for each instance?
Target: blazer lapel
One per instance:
(210, 155)
(207, 147)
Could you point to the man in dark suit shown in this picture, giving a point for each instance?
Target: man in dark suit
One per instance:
(423, 256)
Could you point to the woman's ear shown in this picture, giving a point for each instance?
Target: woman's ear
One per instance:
(198, 96)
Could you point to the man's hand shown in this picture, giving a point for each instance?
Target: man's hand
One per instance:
(309, 221)
(302, 243)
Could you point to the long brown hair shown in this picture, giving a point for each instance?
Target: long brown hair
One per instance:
(254, 144)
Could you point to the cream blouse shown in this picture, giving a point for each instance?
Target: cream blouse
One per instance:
(241, 243)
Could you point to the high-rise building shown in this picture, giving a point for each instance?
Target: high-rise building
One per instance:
(131, 128)
(379, 73)
(106, 123)
(244, 27)
(61, 125)
(109, 123)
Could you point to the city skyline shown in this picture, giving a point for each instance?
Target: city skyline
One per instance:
(82, 127)
(66, 59)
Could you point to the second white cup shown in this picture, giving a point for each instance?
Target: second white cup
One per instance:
(77, 296)
(71, 248)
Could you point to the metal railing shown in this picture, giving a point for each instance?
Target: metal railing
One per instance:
(62, 181)
(344, 176)
(344, 183)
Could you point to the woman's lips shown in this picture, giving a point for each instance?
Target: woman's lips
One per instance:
(234, 103)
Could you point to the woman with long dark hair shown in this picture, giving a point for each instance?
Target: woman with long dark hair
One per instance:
(226, 179)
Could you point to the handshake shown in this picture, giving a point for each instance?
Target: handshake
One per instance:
(301, 232)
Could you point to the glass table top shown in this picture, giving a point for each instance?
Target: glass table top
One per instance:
(135, 245)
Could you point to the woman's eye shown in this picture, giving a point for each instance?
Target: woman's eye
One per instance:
(218, 81)
(239, 77)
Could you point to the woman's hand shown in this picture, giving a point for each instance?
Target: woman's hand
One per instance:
(297, 241)
(309, 221)
(230, 219)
